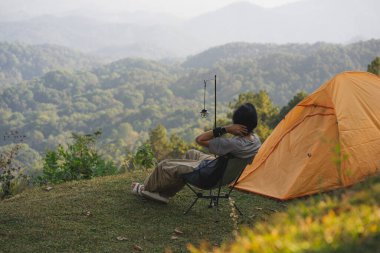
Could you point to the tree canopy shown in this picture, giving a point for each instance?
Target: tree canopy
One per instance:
(374, 67)
(129, 98)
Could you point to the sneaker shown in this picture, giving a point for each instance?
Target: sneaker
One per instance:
(137, 188)
(155, 196)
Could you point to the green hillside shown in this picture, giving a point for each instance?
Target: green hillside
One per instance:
(126, 99)
(20, 62)
(101, 215)
(89, 216)
(130, 97)
(282, 70)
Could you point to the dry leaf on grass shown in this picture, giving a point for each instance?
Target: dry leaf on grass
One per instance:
(174, 237)
(121, 238)
(178, 231)
(49, 188)
(87, 213)
(259, 208)
(137, 247)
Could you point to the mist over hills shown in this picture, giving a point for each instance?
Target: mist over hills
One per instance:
(156, 36)
(114, 40)
(337, 21)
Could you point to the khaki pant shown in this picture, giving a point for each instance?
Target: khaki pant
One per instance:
(166, 177)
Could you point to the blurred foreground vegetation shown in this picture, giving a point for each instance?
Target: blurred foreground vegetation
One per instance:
(346, 221)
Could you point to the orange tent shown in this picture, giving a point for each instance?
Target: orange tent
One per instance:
(329, 140)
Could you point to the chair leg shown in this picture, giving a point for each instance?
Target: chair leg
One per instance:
(192, 204)
(237, 209)
(217, 215)
(211, 201)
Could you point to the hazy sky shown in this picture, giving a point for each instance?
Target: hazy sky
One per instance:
(181, 8)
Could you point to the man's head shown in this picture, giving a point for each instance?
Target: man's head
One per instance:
(245, 115)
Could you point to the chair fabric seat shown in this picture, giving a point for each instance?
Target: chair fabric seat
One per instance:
(207, 174)
(220, 171)
(214, 174)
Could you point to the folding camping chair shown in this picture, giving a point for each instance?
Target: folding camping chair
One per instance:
(227, 171)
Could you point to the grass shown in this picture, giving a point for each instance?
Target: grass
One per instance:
(101, 215)
(89, 216)
(346, 221)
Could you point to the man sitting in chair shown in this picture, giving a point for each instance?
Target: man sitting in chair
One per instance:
(166, 179)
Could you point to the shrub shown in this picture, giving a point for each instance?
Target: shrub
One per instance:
(80, 160)
(143, 158)
(10, 170)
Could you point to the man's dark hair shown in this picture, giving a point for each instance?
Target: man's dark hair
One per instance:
(246, 115)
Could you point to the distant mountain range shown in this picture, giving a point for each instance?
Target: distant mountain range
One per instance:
(159, 36)
(338, 21)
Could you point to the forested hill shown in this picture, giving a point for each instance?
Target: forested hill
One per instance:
(23, 62)
(126, 99)
(282, 70)
(130, 97)
(357, 52)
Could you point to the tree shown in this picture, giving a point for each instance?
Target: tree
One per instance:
(267, 112)
(8, 170)
(293, 102)
(374, 67)
(11, 167)
(144, 157)
(159, 142)
(178, 146)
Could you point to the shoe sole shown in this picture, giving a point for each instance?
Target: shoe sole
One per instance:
(155, 196)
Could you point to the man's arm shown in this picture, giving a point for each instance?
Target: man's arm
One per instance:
(235, 129)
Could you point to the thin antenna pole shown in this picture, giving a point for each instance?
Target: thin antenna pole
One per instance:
(215, 104)
(204, 96)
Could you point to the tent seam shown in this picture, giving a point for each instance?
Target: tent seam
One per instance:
(339, 139)
(283, 136)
